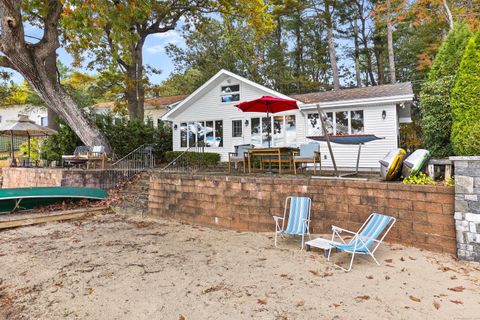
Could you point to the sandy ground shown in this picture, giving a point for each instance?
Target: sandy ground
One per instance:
(112, 267)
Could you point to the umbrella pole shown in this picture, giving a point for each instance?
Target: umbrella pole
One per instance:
(12, 150)
(269, 124)
(28, 141)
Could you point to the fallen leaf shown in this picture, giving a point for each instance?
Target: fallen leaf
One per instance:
(261, 301)
(411, 258)
(413, 298)
(456, 301)
(370, 277)
(457, 289)
(315, 273)
(436, 305)
(360, 298)
(389, 260)
(336, 305)
(181, 317)
(387, 278)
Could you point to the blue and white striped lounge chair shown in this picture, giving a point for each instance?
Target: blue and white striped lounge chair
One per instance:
(298, 218)
(366, 240)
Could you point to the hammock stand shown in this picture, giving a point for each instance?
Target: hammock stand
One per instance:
(349, 139)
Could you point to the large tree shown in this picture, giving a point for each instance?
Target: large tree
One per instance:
(466, 102)
(36, 62)
(436, 90)
(119, 29)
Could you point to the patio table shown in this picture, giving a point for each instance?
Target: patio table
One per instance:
(273, 155)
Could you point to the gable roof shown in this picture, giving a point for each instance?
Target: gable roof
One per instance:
(373, 92)
(211, 83)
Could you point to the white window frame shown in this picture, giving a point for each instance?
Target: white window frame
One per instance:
(196, 135)
(284, 133)
(334, 119)
(241, 128)
(229, 93)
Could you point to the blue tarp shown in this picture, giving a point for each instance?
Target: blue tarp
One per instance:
(354, 139)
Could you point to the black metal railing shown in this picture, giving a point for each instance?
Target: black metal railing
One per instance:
(183, 163)
(126, 168)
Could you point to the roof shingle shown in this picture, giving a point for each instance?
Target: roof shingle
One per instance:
(386, 90)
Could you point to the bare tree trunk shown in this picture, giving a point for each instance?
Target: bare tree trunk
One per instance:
(378, 50)
(140, 83)
(51, 66)
(448, 13)
(331, 46)
(364, 40)
(391, 55)
(358, 75)
(135, 92)
(30, 61)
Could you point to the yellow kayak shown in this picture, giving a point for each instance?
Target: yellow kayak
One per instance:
(391, 165)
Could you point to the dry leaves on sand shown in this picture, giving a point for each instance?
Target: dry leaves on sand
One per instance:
(436, 305)
(362, 298)
(456, 301)
(457, 289)
(318, 274)
(261, 301)
(181, 317)
(413, 298)
(389, 260)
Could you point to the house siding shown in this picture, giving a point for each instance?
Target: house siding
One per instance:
(207, 106)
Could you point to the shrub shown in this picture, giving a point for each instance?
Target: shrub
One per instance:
(466, 102)
(197, 158)
(436, 93)
(34, 149)
(64, 142)
(123, 135)
(420, 178)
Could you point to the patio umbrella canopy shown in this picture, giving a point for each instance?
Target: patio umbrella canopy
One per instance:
(24, 127)
(268, 104)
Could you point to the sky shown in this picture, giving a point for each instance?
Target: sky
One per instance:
(153, 53)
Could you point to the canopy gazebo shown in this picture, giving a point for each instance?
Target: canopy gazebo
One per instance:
(24, 127)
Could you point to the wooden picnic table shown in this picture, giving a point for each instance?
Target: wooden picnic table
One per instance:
(277, 155)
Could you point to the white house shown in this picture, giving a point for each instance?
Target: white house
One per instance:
(34, 113)
(209, 117)
(155, 108)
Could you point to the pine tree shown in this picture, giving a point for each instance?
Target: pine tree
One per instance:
(435, 95)
(466, 102)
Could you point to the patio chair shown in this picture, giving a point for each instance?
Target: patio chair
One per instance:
(298, 218)
(366, 240)
(309, 153)
(240, 155)
(97, 154)
(79, 156)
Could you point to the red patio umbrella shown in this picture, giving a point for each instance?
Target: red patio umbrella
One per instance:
(268, 104)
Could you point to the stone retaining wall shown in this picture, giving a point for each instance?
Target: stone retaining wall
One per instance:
(424, 213)
(467, 207)
(50, 177)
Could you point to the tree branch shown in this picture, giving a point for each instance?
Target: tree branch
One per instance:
(5, 63)
(50, 42)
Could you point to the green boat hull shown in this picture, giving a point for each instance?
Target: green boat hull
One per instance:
(29, 198)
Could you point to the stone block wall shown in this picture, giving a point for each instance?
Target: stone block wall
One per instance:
(50, 177)
(424, 213)
(467, 207)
